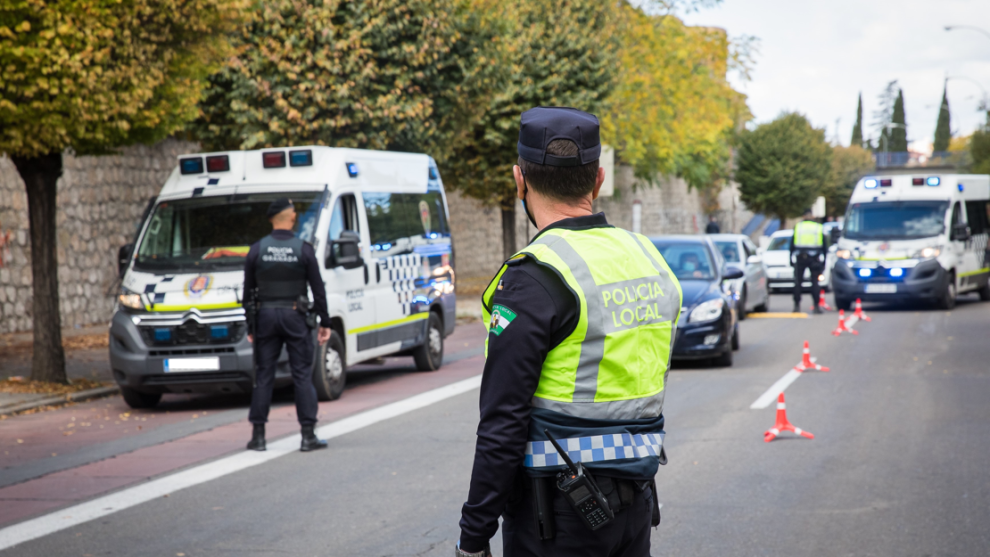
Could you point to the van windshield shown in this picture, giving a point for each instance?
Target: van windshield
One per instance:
(895, 220)
(780, 243)
(215, 232)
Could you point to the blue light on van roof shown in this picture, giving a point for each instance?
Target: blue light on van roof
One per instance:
(870, 183)
(192, 165)
(301, 158)
(352, 169)
(933, 181)
(961, 188)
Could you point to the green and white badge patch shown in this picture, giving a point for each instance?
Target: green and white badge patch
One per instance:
(501, 318)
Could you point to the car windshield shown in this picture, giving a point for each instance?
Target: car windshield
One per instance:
(215, 232)
(895, 220)
(730, 251)
(688, 260)
(778, 243)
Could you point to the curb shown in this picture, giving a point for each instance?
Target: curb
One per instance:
(81, 396)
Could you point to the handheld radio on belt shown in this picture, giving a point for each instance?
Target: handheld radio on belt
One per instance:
(581, 491)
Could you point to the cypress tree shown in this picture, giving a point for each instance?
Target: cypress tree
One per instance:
(942, 130)
(857, 136)
(898, 132)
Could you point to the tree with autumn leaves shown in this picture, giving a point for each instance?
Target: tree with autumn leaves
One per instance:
(93, 75)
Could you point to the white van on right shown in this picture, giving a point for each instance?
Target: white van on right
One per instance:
(915, 234)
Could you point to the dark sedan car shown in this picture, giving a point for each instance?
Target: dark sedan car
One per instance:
(707, 327)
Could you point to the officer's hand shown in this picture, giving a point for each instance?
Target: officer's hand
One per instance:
(323, 335)
(251, 339)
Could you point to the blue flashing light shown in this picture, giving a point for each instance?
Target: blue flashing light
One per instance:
(301, 158)
(865, 273)
(163, 335)
(961, 188)
(219, 331)
(933, 181)
(897, 272)
(352, 169)
(870, 184)
(192, 165)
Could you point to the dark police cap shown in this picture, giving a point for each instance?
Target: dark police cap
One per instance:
(543, 124)
(279, 205)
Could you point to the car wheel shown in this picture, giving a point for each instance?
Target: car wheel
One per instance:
(429, 355)
(735, 339)
(948, 299)
(741, 306)
(723, 360)
(330, 371)
(137, 399)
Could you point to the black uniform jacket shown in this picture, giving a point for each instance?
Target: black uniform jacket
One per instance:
(546, 313)
(313, 276)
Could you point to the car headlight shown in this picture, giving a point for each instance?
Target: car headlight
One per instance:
(130, 300)
(706, 311)
(928, 253)
(843, 254)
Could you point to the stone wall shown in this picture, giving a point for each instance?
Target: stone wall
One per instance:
(100, 200)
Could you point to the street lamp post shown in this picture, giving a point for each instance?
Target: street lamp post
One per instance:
(970, 27)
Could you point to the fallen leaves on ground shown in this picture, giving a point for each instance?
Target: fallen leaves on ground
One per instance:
(21, 385)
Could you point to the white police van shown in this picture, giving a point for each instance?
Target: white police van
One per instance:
(377, 220)
(915, 234)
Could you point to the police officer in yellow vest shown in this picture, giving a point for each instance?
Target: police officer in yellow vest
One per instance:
(580, 328)
(808, 247)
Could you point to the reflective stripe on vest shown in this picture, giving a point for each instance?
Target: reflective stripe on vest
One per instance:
(597, 448)
(612, 366)
(808, 234)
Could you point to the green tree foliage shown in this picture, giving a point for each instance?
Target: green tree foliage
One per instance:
(782, 166)
(979, 148)
(943, 133)
(671, 110)
(376, 74)
(898, 130)
(548, 54)
(857, 133)
(849, 164)
(92, 75)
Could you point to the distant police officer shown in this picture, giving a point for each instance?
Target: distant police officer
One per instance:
(580, 324)
(277, 270)
(808, 247)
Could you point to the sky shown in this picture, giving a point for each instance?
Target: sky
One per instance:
(816, 57)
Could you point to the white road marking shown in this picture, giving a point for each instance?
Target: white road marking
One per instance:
(115, 502)
(767, 398)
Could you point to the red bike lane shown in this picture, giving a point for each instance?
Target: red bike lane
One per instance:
(90, 447)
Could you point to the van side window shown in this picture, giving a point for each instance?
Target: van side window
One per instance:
(956, 214)
(976, 215)
(398, 222)
(344, 217)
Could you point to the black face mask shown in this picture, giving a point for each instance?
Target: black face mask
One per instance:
(526, 205)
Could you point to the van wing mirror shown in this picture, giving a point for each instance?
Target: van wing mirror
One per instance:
(124, 257)
(960, 232)
(754, 259)
(345, 251)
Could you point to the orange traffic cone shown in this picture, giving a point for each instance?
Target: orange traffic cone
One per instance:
(842, 325)
(859, 311)
(806, 362)
(782, 423)
(821, 302)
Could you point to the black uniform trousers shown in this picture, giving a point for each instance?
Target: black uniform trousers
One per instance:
(275, 327)
(627, 535)
(807, 261)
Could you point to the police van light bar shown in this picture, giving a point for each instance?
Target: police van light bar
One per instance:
(917, 181)
(218, 163)
(886, 183)
(870, 184)
(934, 181)
(273, 159)
(192, 165)
(301, 158)
(352, 169)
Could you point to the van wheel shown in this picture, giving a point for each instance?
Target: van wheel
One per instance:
(330, 371)
(724, 360)
(842, 303)
(984, 292)
(948, 299)
(137, 399)
(429, 355)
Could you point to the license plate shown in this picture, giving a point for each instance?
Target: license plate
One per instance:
(881, 288)
(174, 365)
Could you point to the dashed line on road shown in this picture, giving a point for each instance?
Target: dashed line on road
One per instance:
(142, 493)
(771, 395)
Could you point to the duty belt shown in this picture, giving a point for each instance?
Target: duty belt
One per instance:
(278, 304)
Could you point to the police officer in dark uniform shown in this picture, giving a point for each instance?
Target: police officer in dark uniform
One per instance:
(581, 324)
(276, 272)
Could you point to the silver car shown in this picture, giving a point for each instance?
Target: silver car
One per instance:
(751, 291)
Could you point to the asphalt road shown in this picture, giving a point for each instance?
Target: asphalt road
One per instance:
(898, 465)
